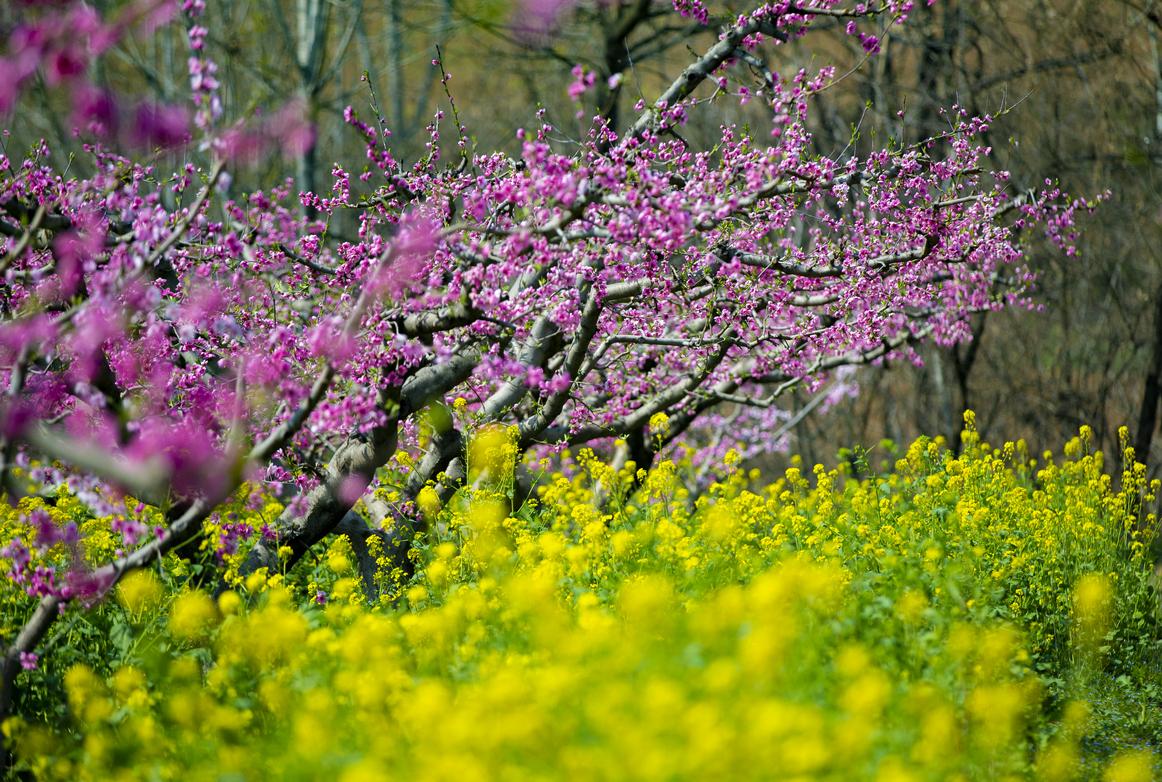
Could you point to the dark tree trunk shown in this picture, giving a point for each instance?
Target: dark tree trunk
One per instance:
(1148, 411)
(963, 359)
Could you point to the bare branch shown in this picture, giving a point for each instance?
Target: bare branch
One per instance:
(191, 214)
(148, 480)
(21, 245)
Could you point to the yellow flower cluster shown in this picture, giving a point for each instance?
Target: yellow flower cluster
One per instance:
(953, 619)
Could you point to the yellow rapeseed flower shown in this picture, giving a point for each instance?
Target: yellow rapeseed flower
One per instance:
(1058, 762)
(1131, 766)
(192, 616)
(1093, 598)
(659, 424)
(428, 502)
(139, 592)
(229, 603)
(491, 454)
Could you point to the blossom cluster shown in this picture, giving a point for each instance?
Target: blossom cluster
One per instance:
(574, 292)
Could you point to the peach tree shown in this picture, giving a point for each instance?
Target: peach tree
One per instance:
(165, 340)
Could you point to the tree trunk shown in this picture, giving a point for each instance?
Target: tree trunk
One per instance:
(1148, 410)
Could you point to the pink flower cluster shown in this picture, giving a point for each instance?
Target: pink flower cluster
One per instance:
(62, 41)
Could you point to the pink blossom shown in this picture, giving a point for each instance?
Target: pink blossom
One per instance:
(352, 488)
(538, 18)
(95, 111)
(152, 15)
(157, 125)
(583, 80)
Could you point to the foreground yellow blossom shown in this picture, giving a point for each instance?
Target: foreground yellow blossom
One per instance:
(988, 616)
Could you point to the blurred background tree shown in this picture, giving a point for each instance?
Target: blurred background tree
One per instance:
(1076, 90)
